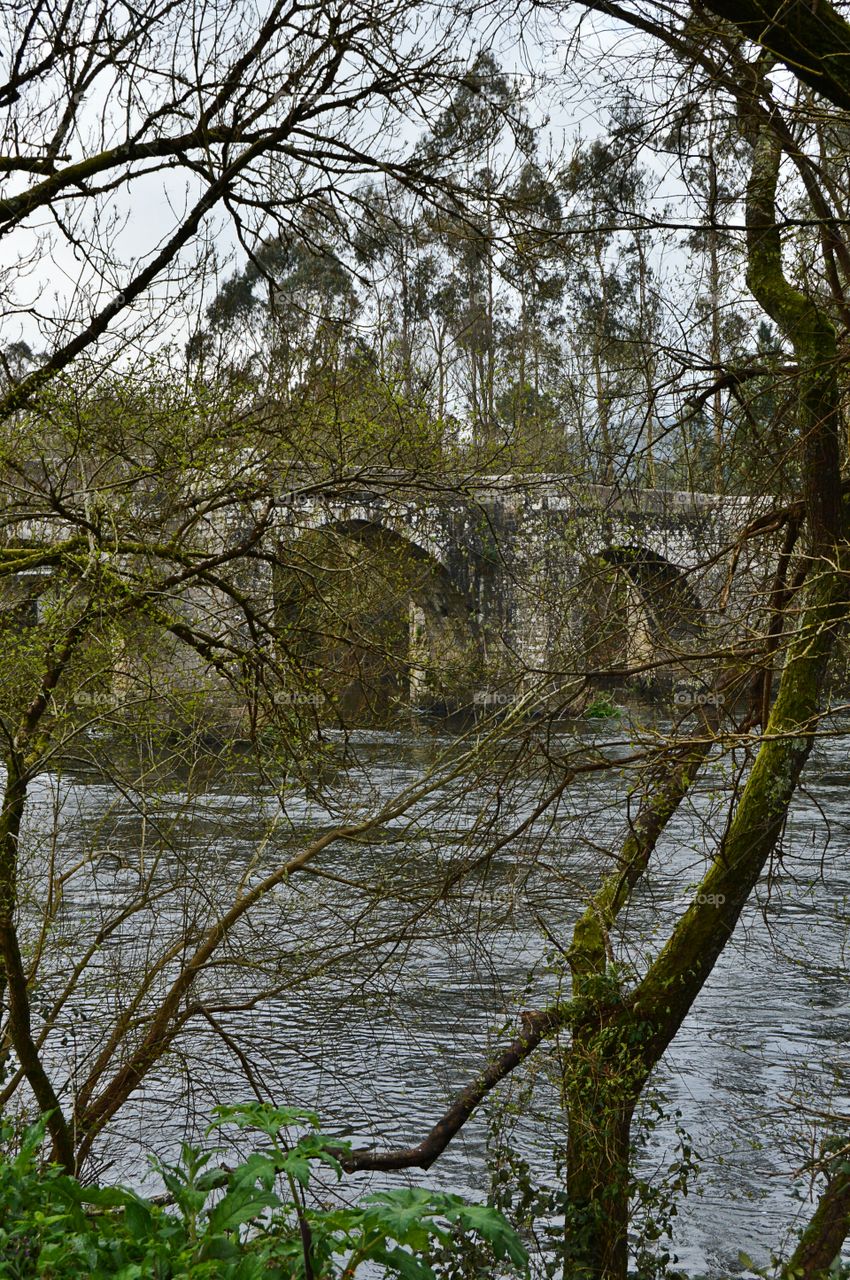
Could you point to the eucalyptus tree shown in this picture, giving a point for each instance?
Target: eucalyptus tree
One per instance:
(474, 137)
(532, 340)
(394, 249)
(126, 130)
(713, 155)
(300, 303)
(604, 274)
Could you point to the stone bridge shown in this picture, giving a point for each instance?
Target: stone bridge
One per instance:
(515, 583)
(385, 589)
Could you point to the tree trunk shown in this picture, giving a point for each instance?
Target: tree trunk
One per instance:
(820, 1244)
(604, 1081)
(14, 975)
(607, 1065)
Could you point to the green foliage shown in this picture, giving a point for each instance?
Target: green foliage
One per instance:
(602, 708)
(538, 1210)
(558, 1231)
(241, 1224)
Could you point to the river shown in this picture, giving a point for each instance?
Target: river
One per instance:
(375, 1017)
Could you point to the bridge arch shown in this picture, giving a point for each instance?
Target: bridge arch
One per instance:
(377, 616)
(638, 608)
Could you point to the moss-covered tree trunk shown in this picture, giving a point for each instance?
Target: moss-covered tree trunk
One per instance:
(619, 1034)
(821, 1241)
(606, 1067)
(603, 1082)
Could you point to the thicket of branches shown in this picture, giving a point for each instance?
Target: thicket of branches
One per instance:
(421, 296)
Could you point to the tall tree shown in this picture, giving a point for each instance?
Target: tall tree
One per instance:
(531, 340)
(470, 138)
(268, 117)
(608, 273)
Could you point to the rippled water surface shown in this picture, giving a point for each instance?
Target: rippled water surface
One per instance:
(382, 1010)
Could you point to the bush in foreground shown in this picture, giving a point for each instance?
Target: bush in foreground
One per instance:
(235, 1224)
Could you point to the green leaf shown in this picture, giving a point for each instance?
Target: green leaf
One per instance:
(317, 1146)
(219, 1249)
(107, 1197)
(259, 1167)
(407, 1205)
(210, 1180)
(401, 1263)
(493, 1228)
(240, 1204)
(262, 1116)
(139, 1218)
(297, 1166)
(30, 1146)
(251, 1267)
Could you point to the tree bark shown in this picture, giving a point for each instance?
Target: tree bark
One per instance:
(604, 1079)
(820, 1243)
(605, 1070)
(535, 1028)
(17, 996)
(813, 40)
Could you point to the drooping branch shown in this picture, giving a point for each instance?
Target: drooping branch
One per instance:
(536, 1027)
(95, 1109)
(587, 955)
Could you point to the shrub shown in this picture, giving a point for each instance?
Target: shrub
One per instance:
(246, 1223)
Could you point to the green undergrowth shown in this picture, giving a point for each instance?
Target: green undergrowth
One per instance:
(602, 708)
(258, 1219)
